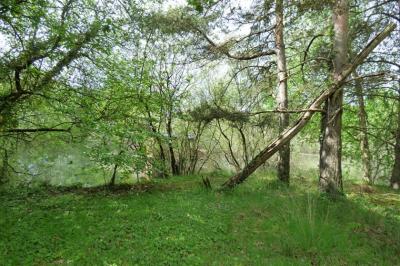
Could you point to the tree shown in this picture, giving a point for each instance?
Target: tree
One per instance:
(42, 44)
(255, 47)
(330, 179)
(363, 123)
(291, 132)
(115, 121)
(282, 97)
(395, 177)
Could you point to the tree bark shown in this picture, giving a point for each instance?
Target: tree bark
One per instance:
(363, 121)
(4, 168)
(8, 101)
(395, 178)
(234, 162)
(244, 144)
(289, 133)
(33, 130)
(114, 175)
(174, 165)
(156, 132)
(282, 96)
(330, 167)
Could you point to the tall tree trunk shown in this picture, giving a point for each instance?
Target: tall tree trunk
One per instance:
(282, 96)
(395, 178)
(244, 144)
(114, 175)
(156, 132)
(363, 120)
(4, 168)
(330, 167)
(174, 165)
(163, 172)
(291, 132)
(194, 151)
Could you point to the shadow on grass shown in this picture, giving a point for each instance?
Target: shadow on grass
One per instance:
(309, 228)
(262, 222)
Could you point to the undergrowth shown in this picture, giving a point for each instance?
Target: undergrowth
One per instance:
(178, 222)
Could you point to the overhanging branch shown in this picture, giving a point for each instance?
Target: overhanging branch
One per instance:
(34, 130)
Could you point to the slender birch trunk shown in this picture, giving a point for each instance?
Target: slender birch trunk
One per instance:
(363, 123)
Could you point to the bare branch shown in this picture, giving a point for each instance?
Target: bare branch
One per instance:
(33, 130)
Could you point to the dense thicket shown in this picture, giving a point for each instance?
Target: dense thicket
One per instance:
(98, 92)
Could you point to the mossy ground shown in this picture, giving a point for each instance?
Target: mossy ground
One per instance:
(177, 222)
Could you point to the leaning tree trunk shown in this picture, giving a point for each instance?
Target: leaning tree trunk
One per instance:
(282, 96)
(244, 144)
(395, 178)
(330, 167)
(289, 133)
(363, 120)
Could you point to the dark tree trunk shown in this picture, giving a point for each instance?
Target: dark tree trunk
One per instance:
(282, 96)
(162, 173)
(114, 175)
(4, 168)
(234, 162)
(244, 145)
(174, 165)
(395, 178)
(330, 167)
(291, 132)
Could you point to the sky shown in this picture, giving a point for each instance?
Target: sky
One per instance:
(3, 43)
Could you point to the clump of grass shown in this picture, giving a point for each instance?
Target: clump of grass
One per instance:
(310, 229)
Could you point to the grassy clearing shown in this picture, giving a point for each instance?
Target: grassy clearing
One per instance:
(176, 221)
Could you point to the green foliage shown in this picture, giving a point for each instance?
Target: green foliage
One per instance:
(379, 140)
(199, 5)
(310, 5)
(174, 21)
(120, 134)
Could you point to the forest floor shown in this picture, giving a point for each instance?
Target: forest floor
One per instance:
(178, 222)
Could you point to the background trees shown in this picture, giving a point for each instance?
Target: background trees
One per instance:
(121, 121)
(139, 90)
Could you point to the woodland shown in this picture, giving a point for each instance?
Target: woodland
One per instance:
(199, 132)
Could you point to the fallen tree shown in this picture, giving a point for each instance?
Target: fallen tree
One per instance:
(291, 132)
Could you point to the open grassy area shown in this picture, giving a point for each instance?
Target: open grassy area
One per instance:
(176, 221)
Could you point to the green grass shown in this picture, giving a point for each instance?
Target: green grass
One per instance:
(177, 222)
